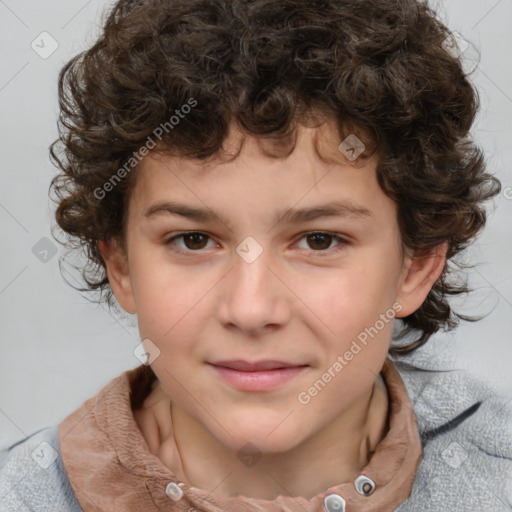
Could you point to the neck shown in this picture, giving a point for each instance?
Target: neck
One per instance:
(335, 454)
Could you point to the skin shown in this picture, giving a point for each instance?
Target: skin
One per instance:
(290, 304)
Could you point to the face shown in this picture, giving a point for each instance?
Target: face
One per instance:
(238, 284)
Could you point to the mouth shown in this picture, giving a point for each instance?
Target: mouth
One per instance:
(245, 366)
(257, 376)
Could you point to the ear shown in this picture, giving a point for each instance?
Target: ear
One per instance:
(118, 273)
(420, 273)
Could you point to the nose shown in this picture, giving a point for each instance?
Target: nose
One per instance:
(253, 297)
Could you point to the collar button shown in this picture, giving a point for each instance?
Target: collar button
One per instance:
(174, 491)
(334, 503)
(364, 485)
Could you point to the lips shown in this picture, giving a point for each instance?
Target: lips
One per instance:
(246, 366)
(261, 376)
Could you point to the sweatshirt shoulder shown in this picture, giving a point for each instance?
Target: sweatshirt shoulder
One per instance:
(465, 428)
(32, 475)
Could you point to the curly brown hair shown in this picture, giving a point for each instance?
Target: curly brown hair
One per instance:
(378, 67)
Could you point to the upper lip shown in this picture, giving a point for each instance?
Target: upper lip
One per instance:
(245, 366)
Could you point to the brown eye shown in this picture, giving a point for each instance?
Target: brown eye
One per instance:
(195, 240)
(320, 241)
(188, 242)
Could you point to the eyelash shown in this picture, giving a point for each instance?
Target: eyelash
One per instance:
(321, 253)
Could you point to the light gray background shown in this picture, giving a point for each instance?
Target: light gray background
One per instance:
(58, 349)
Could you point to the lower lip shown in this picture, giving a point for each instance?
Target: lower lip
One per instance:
(258, 381)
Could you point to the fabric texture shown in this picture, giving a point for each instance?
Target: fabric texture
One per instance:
(465, 428)
(32, 475)
(462, 426)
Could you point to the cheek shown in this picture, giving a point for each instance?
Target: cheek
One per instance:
(169, 306)
(349, 298)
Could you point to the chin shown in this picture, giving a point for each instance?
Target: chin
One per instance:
(263, 438)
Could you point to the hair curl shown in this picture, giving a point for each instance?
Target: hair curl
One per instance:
(377, 66)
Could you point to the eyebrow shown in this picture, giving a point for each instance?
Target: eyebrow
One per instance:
(292, 216)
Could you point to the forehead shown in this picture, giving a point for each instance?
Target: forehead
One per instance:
(247, 172)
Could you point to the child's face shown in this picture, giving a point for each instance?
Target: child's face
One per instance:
(303, 300)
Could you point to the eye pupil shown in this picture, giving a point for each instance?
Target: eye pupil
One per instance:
(194, 237)
(317, 238)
